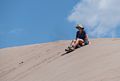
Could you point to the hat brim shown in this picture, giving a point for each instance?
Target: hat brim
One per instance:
(79, 28)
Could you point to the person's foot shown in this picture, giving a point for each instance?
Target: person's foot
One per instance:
(67, 49)
(71, 48)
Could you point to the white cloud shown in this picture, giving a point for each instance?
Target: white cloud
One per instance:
(100, 17)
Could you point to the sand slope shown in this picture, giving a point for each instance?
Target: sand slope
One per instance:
(99, 61)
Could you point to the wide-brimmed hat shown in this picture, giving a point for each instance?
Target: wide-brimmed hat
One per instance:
(80, 26)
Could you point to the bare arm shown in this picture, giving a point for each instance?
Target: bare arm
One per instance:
(86, 37)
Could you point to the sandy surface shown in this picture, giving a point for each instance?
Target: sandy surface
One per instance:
(99, 61)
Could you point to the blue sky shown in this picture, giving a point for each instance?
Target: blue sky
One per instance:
(24, 22)
(35, 21)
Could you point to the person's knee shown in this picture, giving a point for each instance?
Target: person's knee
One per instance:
(73, 41)
(80, 40)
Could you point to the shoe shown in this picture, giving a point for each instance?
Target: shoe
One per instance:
(71, 48)
(66, 49)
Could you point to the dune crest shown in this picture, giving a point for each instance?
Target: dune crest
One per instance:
(43, 62)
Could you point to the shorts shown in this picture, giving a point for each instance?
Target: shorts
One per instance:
(86, 42)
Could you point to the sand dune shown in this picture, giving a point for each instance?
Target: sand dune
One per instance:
(43, 62)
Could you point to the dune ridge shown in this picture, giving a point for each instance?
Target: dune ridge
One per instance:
(43, 62)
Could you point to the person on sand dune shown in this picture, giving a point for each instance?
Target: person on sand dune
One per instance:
(81, 39)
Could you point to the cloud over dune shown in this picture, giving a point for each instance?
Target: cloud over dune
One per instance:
(100, 17)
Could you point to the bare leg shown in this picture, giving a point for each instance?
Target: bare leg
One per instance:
(71, 46)
(73, 42)
(78, 42)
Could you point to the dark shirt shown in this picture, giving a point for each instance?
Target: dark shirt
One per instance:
(81, 36)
